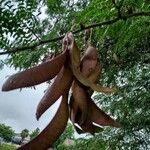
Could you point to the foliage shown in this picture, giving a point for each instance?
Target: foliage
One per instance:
(67, 134)
(24, 133)
(6, 132)
(124, 47)
(7, 147)
(93, 143)
(34, 133)
(131, 106)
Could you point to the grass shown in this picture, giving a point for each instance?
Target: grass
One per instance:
(7, 147)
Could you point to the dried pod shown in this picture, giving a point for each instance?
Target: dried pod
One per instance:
(89, 61)
(75, 116)
(74, 111)
(53, 130)
(100, 117)
(88, 125)
(96, 73)
(80, 98)
(61, 84)
(35, 75)
(74, 64)
(88, 64)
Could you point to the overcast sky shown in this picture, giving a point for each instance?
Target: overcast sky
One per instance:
(17, 109)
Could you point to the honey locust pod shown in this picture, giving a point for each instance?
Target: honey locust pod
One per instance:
(80, 98)
(100, 117)
(74, 64)
(75, 116)
(74, 110)
(89, 61)
(36, 75)
(61, 84)
(53, 130)
(79, 95)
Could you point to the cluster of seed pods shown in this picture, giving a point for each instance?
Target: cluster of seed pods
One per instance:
(71, 72)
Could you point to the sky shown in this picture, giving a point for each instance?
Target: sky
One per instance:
(18, 108)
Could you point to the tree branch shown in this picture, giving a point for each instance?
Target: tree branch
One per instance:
(109, 22)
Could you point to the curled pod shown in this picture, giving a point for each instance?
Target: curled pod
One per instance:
(61, 84)
(94, 76)
(100, 117)
(96, 73)
(53, 130)
(89, 61)
(88, 64)
(36, 75)
(74, 65)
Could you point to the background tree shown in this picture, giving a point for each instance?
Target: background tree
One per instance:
(67, 134)
(6, 132)
(34, 133)
(121, 33)
(24, 133)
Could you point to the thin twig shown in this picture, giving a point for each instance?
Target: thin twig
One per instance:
(109, 22)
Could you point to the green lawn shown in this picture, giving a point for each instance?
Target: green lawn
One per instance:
(7, 147)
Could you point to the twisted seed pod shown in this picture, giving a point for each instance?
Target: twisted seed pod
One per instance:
(89, 61)
(88, 64)
(96, 73)
(61, 84)
(53, 130)
(35, 75)
(74, 64)
(94, 77)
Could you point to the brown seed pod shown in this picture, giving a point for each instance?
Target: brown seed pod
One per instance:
(88, 64)
(35, 75)
(74, 110)
(53, 130)
(100, 117)
(80, 98)
(75, 116)
(74, 64)
(88, 125)
(96, 73)
(89, 61)
(61, 84)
